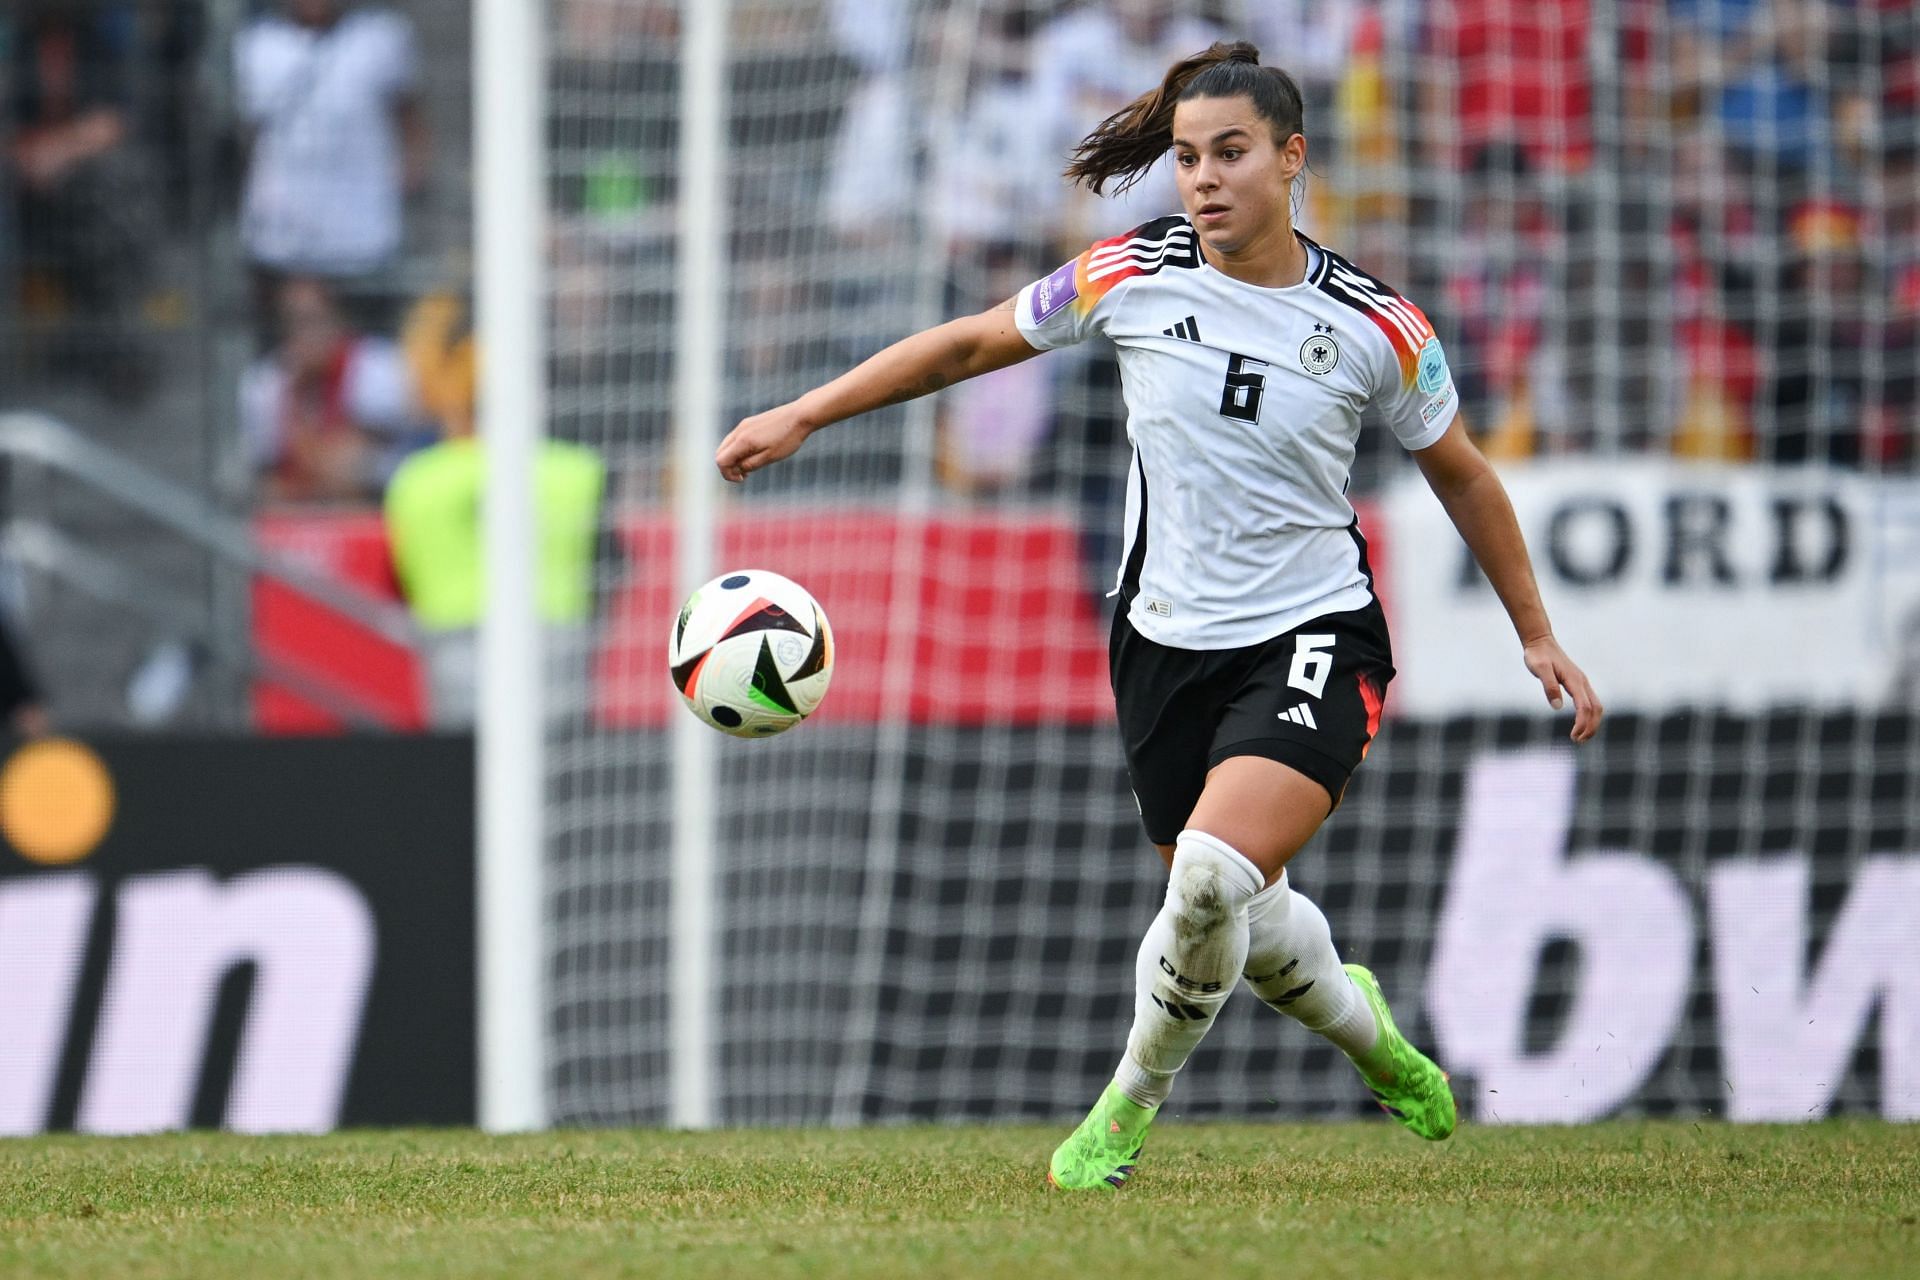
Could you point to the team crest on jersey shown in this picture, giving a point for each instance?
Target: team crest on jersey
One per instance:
(1320, 353)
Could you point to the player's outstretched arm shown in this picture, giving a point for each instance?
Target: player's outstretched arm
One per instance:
(912, 367)
(1477, 503)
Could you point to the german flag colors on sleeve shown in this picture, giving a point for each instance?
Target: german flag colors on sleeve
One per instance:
(1413, 385)
(1064, 308)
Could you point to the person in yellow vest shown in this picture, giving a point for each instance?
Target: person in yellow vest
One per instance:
(433, 523)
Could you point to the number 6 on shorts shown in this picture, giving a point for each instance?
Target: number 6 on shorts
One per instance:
(1311, 663)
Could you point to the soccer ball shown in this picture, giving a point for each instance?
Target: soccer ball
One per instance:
(751, 652)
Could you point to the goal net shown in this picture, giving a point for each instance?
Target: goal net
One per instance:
(930, 894)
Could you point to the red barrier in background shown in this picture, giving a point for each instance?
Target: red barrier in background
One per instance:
(1002, 617)
(1002, 620)
(350, 546)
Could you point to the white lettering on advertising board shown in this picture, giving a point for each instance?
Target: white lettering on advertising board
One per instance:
(1512, 889)
(43, 929)
(309, 935)
(1786, 1030)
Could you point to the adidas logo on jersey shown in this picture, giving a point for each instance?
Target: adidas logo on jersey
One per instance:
(1301, 715)
(1188, 330)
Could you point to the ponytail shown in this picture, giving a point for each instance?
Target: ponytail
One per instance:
(1126, 143)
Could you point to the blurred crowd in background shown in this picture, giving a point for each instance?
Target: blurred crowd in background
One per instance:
(1679, 226)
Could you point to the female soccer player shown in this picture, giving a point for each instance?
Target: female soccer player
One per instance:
(1250, 658)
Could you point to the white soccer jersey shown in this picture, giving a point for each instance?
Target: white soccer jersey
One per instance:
(323, 187)
(1243, 408)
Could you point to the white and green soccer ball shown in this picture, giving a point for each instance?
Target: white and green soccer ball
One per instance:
(751, 653)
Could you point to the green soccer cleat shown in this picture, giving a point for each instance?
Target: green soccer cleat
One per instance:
(1408, 1084)
(1100, 1154)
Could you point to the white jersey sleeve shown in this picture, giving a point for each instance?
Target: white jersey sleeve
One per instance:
(1411, 384)
(1413, 387)
(1078, 299)
(1053, 311)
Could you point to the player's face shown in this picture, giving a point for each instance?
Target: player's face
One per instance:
(1235, 180)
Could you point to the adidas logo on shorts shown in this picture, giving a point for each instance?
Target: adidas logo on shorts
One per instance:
(1302, 715)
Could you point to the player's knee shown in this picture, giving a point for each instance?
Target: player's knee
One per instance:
(1211, 883)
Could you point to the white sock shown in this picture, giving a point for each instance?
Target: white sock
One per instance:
(1194, 951)
(1292, 966)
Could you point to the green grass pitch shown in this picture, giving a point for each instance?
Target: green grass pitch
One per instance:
(1216, 1200)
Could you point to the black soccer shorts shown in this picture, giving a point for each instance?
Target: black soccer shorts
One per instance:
(1309, 698)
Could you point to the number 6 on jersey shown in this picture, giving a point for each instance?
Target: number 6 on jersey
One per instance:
(1240, 395)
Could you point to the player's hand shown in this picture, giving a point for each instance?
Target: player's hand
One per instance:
(1559, 677)
(761, 440)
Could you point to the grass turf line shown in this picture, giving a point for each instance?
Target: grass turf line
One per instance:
(1622, 1199)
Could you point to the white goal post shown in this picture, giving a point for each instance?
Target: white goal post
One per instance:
(509, 109)
(700, 299)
